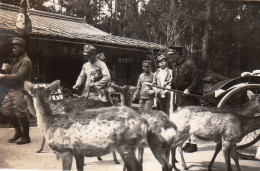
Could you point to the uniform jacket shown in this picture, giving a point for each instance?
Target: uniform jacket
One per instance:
(142, 88)
(186, 76)
(85, 76)
(20, 70)
(157, 81)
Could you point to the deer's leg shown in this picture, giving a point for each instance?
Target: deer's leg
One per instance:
(217, 150)
(42, 145)
(226, 152)
(182, 158)
(79, 162)
(129, 158)
(115, 158)
(173, 151)
(66, 160)
(140, 155)
(234, 156)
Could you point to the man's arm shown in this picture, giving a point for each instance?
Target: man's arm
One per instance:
(139, 85)
(22, 73)
(81, 78)
(194, 77)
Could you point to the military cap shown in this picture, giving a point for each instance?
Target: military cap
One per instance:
(101, 56)
(18, 40)
(146, 63)
(89, 49)
(161, 58)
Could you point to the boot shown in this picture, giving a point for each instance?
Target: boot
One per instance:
(26, 127)
(192, 148)
(185, 146)
(18, 132)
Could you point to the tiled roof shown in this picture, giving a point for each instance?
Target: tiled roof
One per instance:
(44, 23)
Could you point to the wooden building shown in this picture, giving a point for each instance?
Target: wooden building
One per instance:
(56, 45)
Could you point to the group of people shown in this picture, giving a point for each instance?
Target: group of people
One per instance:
(95, 76)
(184, 78)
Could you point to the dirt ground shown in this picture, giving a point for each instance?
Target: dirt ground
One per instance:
(14, 156)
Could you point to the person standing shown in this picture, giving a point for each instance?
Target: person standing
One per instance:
(144, 91)
(162, 78)
(14, 105)
(85, 77)
(186, 79)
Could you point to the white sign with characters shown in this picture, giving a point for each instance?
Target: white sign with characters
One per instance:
(20, 22)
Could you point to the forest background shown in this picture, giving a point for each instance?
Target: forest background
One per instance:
(219, 35)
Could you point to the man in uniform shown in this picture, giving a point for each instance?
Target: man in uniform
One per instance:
(186, 79)
(143, 91)
(86, 74)
(14, 105)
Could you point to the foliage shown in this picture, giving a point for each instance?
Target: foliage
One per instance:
(218, 35)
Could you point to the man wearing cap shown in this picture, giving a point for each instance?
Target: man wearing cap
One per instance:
(186, 79)
(144, 91)
(88, 68)
(162, 78)
(14, 106)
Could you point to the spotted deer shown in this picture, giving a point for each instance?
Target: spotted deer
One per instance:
(161, 131)
(72, 105)
(92, 132)
(226, 126)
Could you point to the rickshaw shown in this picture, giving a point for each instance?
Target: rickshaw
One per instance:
(233, 92)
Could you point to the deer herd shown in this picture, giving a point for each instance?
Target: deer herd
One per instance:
(94, 128)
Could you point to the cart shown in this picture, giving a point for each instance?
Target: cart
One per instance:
(233, 92)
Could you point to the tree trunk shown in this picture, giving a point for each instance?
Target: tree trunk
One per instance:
(205, 38)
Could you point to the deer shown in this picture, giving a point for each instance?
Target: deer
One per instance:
(161, 131)
(226, 126)
(72, 105)
(89, 133)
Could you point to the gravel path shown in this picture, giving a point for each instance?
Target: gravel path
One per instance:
(14, 156)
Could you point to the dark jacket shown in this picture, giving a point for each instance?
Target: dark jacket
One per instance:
(20, 70)
(186, 76)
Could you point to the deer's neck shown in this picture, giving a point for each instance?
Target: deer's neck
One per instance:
(247, 109)
(42, 111)
(250, 124)
(126, 102)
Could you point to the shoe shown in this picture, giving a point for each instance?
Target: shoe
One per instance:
(185, 146)
(17, 136)
(24, 140)
(192, 148)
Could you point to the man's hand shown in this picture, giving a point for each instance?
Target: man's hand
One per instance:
(5, 66)
(150, 92)
(186, 91)
(75, 87)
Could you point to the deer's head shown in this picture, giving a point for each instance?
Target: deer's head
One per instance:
(254, 99)
(43, 92)
(126, 93)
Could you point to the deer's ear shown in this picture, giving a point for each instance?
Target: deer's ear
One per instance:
(28, 87)
(133, 89)
(250, 94)
(116, 87)
(54, 86)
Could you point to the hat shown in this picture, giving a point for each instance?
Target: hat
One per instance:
(89, 49)
(146, 63)
(161, 58)
(101, 56)
(18, 40)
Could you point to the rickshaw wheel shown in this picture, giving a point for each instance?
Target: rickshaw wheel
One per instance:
(247, 147)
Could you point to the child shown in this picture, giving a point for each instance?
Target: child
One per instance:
(163, 77)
